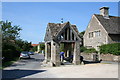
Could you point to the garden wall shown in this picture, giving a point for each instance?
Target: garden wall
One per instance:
(104, 57)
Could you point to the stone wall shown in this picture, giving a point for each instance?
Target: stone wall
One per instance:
(86, 56)
(104, 57)
(109, 57)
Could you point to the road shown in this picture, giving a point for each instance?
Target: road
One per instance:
(24, 67)
(33, 68)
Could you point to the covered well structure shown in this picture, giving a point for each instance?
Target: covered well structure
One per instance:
(62, 35)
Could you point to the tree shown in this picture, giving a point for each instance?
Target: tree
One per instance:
(26, 46)
(10, 32)
(34, 49)
(42, 46)
(81, 36)
(9, 35)
(23, 45)
(12, 45)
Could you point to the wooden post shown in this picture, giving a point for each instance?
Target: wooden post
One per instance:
(74, 37)
(67, 53)
(70, 34)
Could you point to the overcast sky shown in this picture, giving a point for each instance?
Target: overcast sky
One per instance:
(33, 17)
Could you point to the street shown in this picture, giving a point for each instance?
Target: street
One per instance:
(24, 67)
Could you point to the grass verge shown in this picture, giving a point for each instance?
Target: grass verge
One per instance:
(8, 63)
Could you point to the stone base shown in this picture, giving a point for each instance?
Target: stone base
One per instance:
(57, 63)
(76, 62)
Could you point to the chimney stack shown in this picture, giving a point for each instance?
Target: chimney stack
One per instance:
(104, 11)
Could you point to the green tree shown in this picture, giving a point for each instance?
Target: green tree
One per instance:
(26, 46)
(10, 32)
(9, 35)
(23, 45)
(34, 49)
(42, 46)
(81, 36)
(12, 45)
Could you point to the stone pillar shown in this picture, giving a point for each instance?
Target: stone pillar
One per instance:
(55, 53)
(52, 51)
(76, 54)
(49, 51)
(46, 52)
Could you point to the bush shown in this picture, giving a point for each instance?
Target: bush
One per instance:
(92, 50)
(82, 49)
(110, 48)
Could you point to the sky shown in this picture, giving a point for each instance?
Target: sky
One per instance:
(33, 17)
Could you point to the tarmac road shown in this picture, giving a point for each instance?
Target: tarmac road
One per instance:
(24, 67)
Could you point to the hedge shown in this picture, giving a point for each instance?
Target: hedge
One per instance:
(84, 49)
(110, 48)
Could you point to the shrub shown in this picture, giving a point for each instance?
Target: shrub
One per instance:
(110, 48)
(92, 50)
(82, 49)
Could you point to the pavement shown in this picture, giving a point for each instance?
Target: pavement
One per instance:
(99, 70)
(33, 69)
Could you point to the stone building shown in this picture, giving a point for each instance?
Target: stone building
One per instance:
(102, 29)
(58, 34)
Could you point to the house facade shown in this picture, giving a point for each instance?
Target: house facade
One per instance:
(102, 29)
(64, 34)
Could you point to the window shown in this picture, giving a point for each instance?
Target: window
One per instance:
(94, 34)
(88, 47)
(90, 34)
(97, 33)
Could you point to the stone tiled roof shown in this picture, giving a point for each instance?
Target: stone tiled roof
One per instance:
(111, 25)
(75, 28)
(55, 28)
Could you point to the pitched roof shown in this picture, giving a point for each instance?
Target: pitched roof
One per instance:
(75, 28)
(55, 28)
(111, 25)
